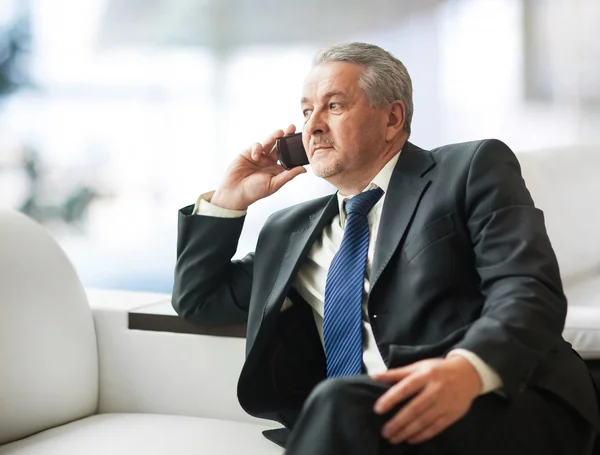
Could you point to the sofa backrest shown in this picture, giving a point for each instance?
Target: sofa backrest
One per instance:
(48, 354)
(565, 184)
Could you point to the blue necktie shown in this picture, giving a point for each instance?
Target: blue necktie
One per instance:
(342, 321)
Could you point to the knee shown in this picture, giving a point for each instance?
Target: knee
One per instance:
(328, 394)
(330, 389)
(345, 390)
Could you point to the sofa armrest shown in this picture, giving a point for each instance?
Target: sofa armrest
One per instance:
(160, 372)
(114, 300)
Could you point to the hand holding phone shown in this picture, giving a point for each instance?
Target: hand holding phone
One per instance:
(255, 173)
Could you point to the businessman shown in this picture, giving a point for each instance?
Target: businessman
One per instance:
(418, 310)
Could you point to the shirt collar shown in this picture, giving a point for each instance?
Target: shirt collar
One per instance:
(381, 180)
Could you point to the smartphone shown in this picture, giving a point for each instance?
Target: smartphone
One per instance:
(290, 151)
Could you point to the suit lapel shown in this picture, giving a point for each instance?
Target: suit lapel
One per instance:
(407, 186)
(297, 248)
(298, 243)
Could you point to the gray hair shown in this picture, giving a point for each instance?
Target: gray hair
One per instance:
(385, 78)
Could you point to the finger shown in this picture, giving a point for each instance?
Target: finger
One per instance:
(441, 424)
(274, 170)
(393, 375)
(291, 129)
(418, 427)
(256, 151)
(269, 143)
(412, 418)
(271, 154)
(284, 177)
(399, 392)
(273, 136)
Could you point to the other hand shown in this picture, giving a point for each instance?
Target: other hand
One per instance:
(442, 392)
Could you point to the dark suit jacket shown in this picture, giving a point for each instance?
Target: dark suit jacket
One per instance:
(462, 260)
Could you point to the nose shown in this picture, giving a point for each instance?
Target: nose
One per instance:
(317, 123)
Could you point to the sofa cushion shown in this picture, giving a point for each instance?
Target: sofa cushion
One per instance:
(564, 183)
(148, 434)
(48, 352)
(582, 327)
(154, 372)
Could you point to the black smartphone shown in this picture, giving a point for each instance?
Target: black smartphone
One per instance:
(290, 151)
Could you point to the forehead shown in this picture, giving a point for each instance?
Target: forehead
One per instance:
(332, 77)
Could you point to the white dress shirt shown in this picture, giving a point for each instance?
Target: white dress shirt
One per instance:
(311, 277)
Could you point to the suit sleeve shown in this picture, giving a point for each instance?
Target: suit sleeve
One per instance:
(209, 287)
(525, 307)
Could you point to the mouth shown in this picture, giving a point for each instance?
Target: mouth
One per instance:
(320, 147)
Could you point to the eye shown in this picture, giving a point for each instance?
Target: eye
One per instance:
(334, 105)
(306, 112)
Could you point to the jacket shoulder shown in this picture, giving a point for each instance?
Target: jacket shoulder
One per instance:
(298, 214)
(466, 151)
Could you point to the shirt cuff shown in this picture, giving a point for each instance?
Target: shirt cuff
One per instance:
(204, 207)
(489, 378)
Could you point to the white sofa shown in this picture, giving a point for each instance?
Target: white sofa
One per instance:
(75, 380)
(565, 184)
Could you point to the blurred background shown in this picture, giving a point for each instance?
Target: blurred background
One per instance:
(116, 113)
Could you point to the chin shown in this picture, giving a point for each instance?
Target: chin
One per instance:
(326, 163)
(326, 169)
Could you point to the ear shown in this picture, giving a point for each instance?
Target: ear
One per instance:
(396, 119)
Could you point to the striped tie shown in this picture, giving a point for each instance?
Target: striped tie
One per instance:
(342, 322)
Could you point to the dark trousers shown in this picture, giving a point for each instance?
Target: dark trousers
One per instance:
(338, 418)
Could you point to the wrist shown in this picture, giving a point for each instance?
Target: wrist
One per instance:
(220, 200)
(469, 375)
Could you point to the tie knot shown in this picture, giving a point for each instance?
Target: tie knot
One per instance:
(362, 203)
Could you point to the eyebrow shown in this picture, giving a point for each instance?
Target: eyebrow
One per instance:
(326, 96)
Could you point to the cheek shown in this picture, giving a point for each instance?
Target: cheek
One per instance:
(352, 140)
(371, 134)
(306, 143)
(345, 134)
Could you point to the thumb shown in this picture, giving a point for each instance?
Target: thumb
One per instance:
(284, 177)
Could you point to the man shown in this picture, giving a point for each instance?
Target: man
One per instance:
(418, 310)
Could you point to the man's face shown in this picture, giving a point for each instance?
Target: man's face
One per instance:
(342, 132)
